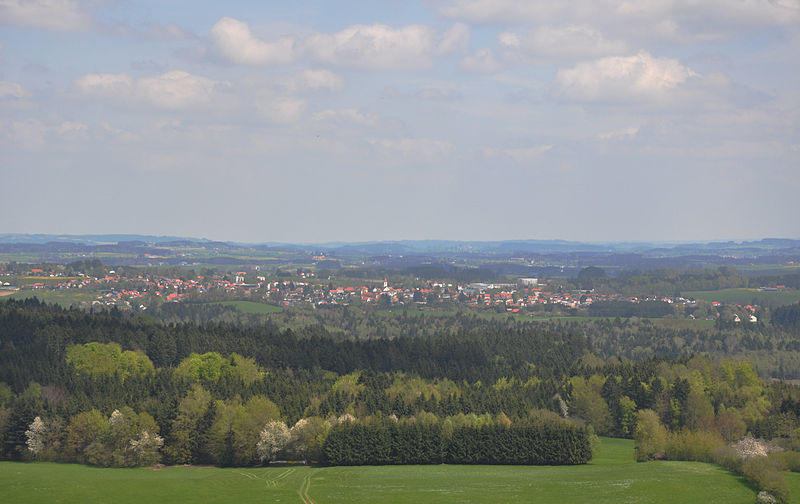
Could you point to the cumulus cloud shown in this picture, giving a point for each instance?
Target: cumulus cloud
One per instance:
(565, 41)
(281, 109)
(175, 90)
(312, 80)
(621, 78)
(376, 46)
(9, 90)
(105, 85)
(482, 60)
(456, 39)
(62, 15)
(234, 42)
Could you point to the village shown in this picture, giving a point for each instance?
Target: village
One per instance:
(140, 291)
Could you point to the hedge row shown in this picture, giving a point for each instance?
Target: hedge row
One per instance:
(397, 443)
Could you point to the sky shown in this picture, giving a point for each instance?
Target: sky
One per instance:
(589, 120)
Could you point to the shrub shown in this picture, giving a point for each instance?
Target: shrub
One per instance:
(650, 436)
(766, 475)
(694, 445)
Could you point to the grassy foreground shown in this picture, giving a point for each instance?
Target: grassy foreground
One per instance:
(612, 477)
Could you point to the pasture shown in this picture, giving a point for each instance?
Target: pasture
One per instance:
(612, 477)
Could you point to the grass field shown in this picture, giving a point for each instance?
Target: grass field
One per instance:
(249, 307)
(613, 477)
(65, 298)
(746, 296)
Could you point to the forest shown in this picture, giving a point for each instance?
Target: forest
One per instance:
(115, 389)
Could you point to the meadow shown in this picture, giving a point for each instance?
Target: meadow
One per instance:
(612, 477)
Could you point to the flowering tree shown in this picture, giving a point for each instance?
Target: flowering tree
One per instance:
(35, 434)
(272, 439)
(145, 448)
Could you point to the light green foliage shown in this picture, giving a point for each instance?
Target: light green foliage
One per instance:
(698, 407)
(234, 434)
(205, 368)
(83, 429)
(588, 404)
(126, 439)
(650, 435)
(627, 414)
(739, 373)
(183, 438)
(32, 392)
(107, 359)
(211, 366)
(6, 396)
(696, 445)
(348, 384)
(245, 368)
(308, 436)
(502, 383)
(410, 388)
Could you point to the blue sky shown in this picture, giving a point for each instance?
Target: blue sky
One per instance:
(589, 120)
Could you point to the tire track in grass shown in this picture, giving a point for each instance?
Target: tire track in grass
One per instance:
(270, 482)
(304, 488)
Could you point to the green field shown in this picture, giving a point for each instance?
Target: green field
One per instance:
(613, 477)
(747, 296)
(249, 307)
(65, 298)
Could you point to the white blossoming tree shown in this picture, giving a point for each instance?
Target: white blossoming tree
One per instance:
(36, 434)
(145, 448)
(308, 436)
(272, 439)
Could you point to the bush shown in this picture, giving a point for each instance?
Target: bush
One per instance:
(696, 445)
(786, 460)
(728, 458)
(650, 435)
(765, 474)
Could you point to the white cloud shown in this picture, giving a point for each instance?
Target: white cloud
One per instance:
(376, 46)
(518, 155)
(235, 43)
(566, 41)
(482, 60)
(645, 19)
(148, 31)
(62, 15)
(413, 149)
(620, 134)
(105, 85)
(179, 90)
(175, 90)
(312, 80)
(629, 78)
(456, 39)
(71, 129)
(34, 133)
(12, 90)
(346, 116)
(281, 109)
